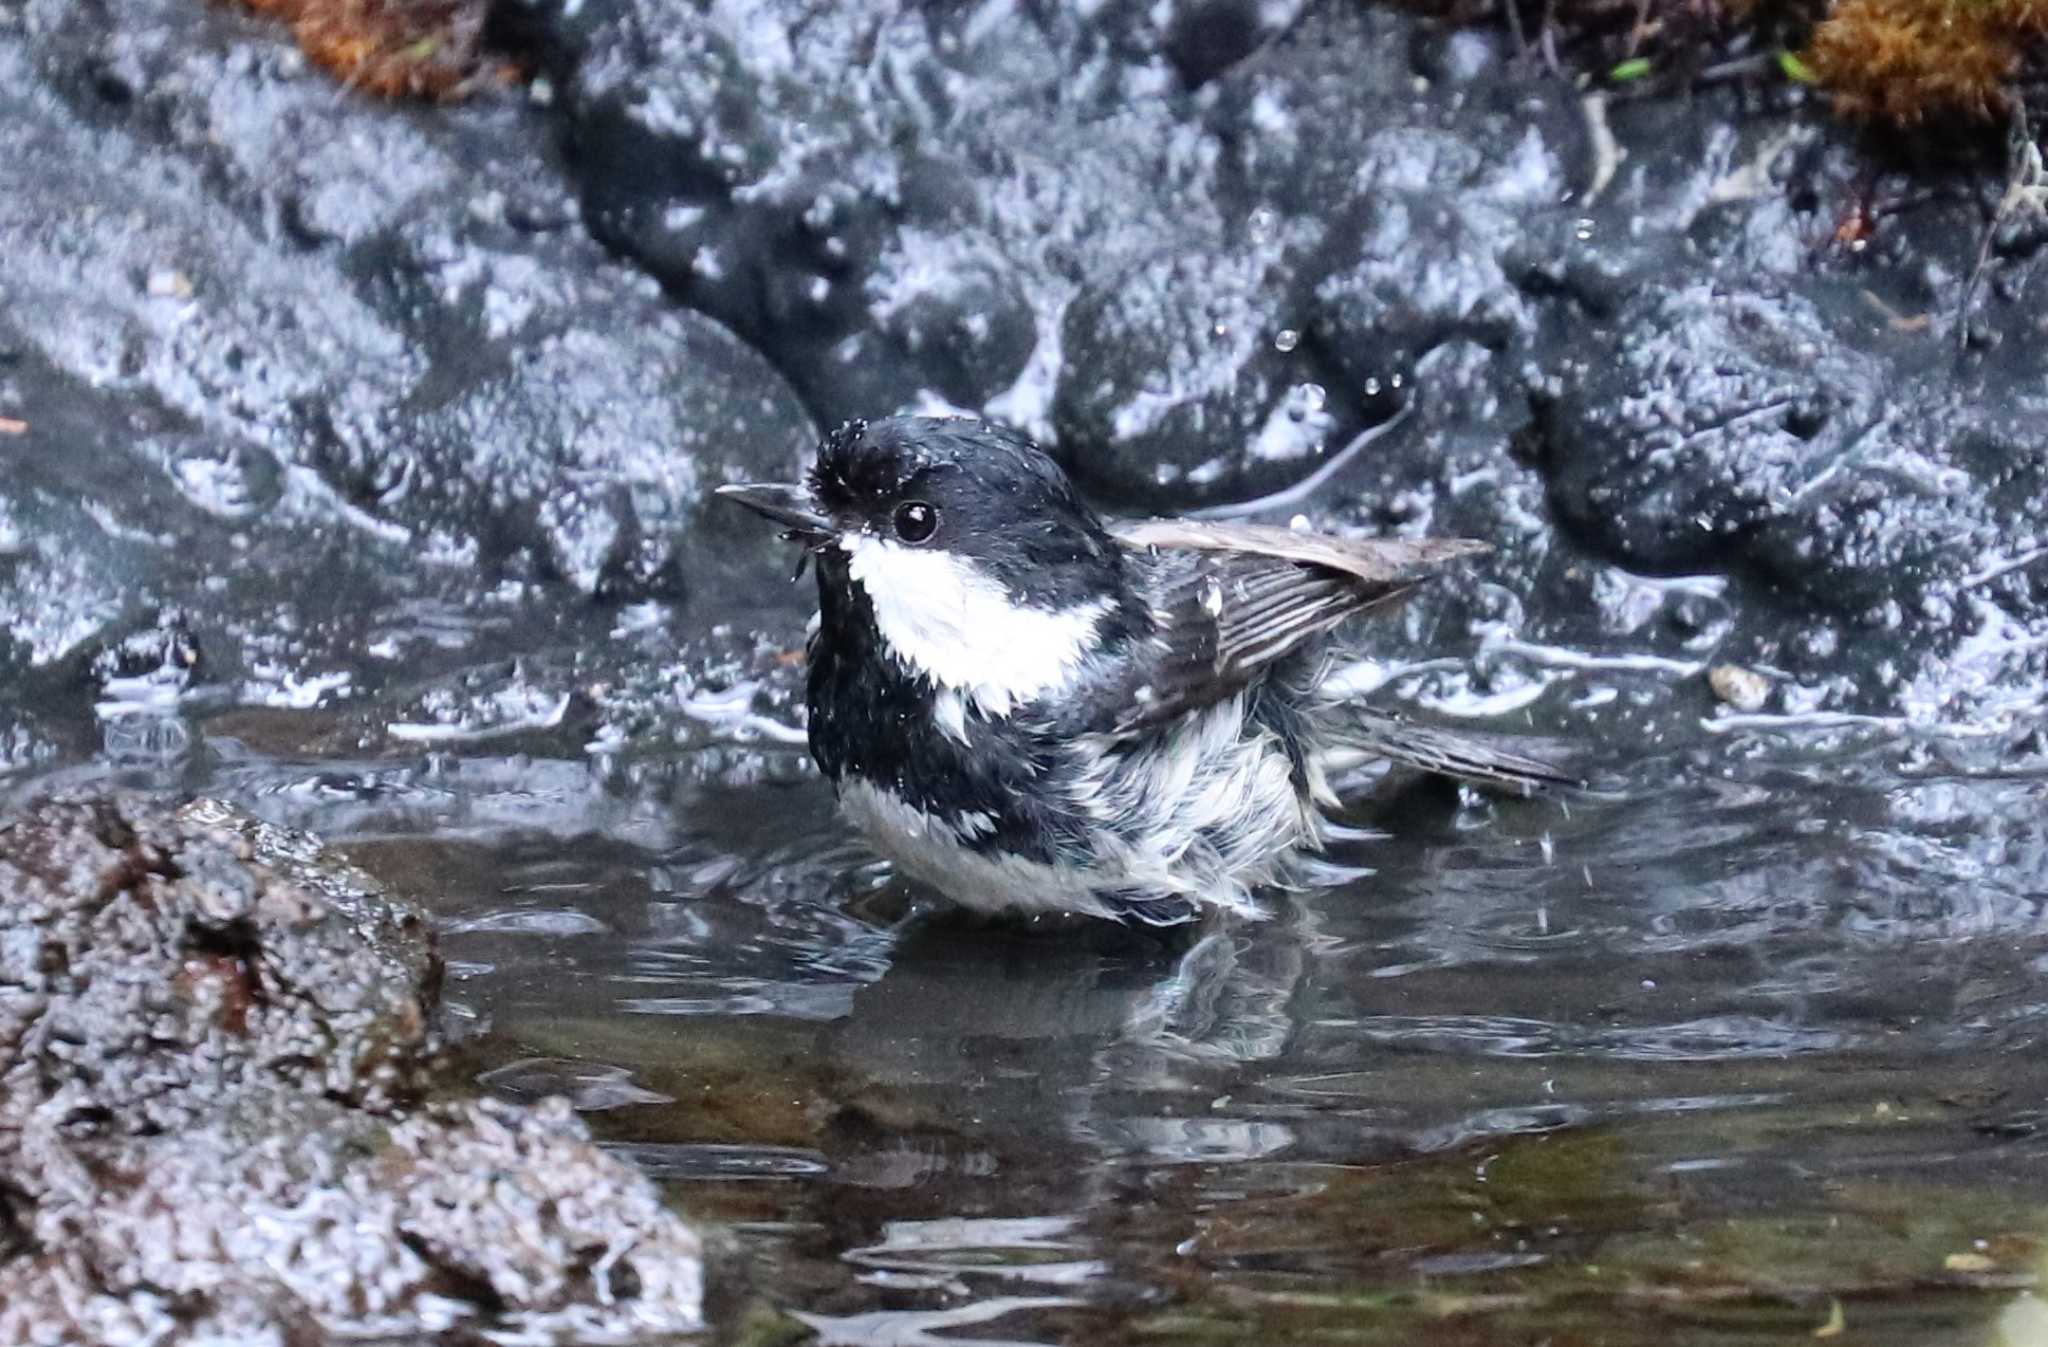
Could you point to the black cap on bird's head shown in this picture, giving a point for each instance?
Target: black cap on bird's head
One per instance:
(980, 493)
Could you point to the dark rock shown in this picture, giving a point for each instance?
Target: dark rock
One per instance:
(379, 360)
(1204, 38)
(1732, 428)
(753, 193)
(966, 325)
(1202, 300)
(353, 356)
(1192, 350)
(1717, 410)
(891, 241)
(1405, 274)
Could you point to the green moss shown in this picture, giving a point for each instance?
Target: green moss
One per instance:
(762, 1325)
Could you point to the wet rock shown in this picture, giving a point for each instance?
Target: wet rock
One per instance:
(212, 1031)
(298, 1221)
(359, 358)
(888, 239)
(753, 192)
(1732, 427)
(1195, 350)
(151, 963)
(448, 389)
(1204, 38)
(1718, 409)
(1200, 302)
(960, 316)
(1408, 273)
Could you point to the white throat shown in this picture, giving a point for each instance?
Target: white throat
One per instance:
(947, 620)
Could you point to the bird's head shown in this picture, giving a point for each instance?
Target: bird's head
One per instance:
(983, 568)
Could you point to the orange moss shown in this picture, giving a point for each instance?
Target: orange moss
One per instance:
(396, 48)
(1905, 61)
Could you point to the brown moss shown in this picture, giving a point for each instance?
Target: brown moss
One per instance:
(397, 48)
(1938, 64)
(1908, 61)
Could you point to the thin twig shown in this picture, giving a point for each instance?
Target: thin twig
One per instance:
(1550, 39)
(1514, 10)
(1736, 69)
(2026, 191)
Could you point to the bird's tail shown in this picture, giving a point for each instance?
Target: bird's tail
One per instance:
(1364, 734)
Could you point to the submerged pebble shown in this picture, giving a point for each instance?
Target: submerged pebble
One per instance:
(1743, 689)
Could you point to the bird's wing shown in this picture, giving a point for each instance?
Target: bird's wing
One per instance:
(1229, 599)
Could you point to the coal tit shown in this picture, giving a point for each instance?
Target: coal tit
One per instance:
(1034, 710)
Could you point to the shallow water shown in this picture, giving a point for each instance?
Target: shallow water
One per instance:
(1738, 1056)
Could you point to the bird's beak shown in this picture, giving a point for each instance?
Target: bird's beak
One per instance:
(786, 504)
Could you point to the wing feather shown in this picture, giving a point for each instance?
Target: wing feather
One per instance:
(1373, 560)
(1228, 600)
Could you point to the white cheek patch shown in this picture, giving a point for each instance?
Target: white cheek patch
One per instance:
(947, 620)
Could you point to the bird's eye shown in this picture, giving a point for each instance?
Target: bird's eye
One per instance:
(915, 521)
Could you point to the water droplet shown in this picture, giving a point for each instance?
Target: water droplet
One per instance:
(1286, 339)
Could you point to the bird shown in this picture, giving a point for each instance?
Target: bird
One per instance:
(1035, 710)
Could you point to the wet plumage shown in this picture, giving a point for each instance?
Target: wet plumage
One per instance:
(1030, 709)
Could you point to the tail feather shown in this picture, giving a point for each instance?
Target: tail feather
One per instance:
(1383, 734)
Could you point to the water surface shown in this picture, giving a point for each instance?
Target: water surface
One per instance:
(1746, 1049)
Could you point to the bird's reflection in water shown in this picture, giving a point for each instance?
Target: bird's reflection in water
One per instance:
(1018, 1035)
(1058, 1040)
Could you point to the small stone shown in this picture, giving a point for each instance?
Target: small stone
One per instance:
(1743, 689)
(169, 283)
